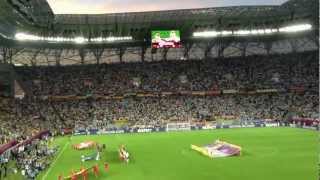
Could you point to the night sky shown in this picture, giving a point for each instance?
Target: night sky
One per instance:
(114, 6)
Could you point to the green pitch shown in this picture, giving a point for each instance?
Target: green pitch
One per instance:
(268, 153)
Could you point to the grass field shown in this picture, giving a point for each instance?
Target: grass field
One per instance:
(268, 154)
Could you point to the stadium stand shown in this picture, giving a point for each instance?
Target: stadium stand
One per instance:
(257, 72)
(81, 86)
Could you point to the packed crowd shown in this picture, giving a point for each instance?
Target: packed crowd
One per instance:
(266, 72)
(259, 72)
(157, 111)
(13, 126)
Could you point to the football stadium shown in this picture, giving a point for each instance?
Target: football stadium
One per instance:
(159, 90)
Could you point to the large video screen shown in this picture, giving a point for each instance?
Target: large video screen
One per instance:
(166, 39)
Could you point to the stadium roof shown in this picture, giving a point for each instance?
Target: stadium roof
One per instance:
(120, 6)
(37, 16)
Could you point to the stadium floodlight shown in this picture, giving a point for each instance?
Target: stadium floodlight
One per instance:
(60, 39)
(257, 31)
(79, 40)
(287, 29)
(254, 31)
(111, 39)
(206, 34)
(296, 28)
(261, 31)
(26, 37)
(17, 64)
(50, 39)
(267, 31)
(226, 33)
(242, 32)
(128, 38)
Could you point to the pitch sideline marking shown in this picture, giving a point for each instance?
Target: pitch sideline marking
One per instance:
(52, 164)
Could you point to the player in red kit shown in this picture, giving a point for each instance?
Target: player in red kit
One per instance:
(106, 167)
(96, 170)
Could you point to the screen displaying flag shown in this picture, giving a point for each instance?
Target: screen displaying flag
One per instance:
(166, 39)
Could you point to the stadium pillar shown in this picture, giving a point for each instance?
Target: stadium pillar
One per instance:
(244, 46)
(121, 53)
(98, 53)
(314, 37)
(165, 54)
(294, 45)
(268, 46)
(222, 45)
(143, 53)
(317, 41)
(10, 55)
(57, 56)
(208, 48)
(1, 56)
(220, 51)
(82, 54)
(187, 48)
(4, 55)
(33, 60)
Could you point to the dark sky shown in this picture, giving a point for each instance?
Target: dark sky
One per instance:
(113, 6)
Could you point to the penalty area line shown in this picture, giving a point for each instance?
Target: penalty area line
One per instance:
(53, 163)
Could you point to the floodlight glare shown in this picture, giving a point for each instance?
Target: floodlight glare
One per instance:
(26, 37)
(296, 28)
(100, 39)
(254, 31)
(267, 31)
(79, 40)
(261, 31)
(241, 32)
(226, 33)
(206, 34)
